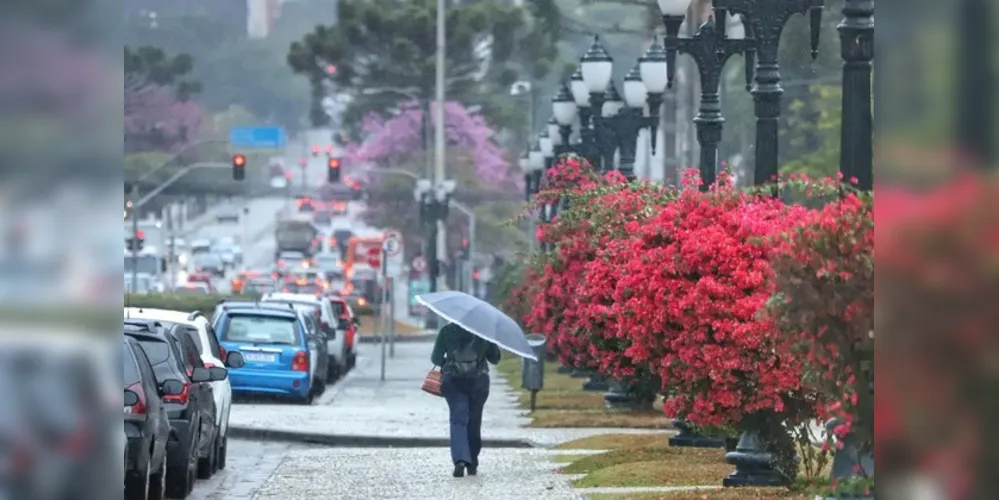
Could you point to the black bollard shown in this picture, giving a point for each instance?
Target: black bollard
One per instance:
(688, 438)
(847, 458)
(617, 396)
(596, 383)
(753, 466)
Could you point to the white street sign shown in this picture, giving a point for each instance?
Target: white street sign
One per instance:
(393, 243)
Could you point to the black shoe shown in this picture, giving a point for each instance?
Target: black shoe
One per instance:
(459, 469)
(473, 470)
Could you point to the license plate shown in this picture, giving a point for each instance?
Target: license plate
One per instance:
(260, 357)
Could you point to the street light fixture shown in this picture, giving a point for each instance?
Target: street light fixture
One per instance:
(711, 49)
(597, 67)
(565, 111)
(653, 68)
(433, 200)
(553, 133)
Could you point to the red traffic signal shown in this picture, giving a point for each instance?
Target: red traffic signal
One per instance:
(238, 167)
(315, 150)
(329, 149)
(333, 170)
(140, 234)
(375, 257)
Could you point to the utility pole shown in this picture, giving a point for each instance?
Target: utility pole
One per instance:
(132, 238)
(440, 141)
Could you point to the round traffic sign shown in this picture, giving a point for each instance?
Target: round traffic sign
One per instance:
(393, 243)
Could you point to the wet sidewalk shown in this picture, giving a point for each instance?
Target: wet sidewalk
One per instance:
(364, 411)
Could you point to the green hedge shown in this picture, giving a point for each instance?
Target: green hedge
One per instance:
(204, 303)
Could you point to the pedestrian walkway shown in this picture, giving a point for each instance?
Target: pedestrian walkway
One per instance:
(364, 411)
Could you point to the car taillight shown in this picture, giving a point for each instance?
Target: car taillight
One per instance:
(181, 398)
(140, 407)
(300, 363)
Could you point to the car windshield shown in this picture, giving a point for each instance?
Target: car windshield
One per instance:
(260, 329)
(291, 255)
(157, 351)
(147, 264)
(131, 372)
(339, 308)
(207, 259)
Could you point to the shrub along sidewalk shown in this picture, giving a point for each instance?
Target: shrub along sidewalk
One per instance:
(564, 403)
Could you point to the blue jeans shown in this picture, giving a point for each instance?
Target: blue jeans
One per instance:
(465, 399)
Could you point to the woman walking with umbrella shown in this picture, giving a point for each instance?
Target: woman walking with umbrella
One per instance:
(464, 350)
(463, 359)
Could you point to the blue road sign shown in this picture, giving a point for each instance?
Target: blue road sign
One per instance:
(257, 137)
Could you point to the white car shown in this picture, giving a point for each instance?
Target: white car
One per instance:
(337, 344)
(212, 355)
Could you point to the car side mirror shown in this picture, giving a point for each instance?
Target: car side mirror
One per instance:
(201, 375)
(357, 322)
(218, 374)
(131, 398)
(171, 388)
(344, 324)
(235, 359)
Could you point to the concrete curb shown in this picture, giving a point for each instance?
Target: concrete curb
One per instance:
(419, 337)
(349, 441)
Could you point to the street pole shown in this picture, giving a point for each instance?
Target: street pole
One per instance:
(440, 143)
(391, 301)
(383, 337)
(171, 230)
(135, 231)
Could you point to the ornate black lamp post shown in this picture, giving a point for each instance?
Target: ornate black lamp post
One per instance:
(596, 67)
(653, 69)
(856, 34)
(433, 201)
(587, 136)
(547, 147)
(565, 112)
(607, 133)
(765, 20)
(710, 48)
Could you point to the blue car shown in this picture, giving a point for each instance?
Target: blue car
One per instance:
(280, 358)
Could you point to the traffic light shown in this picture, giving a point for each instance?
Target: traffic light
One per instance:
(136, 242)
(315, 151)
(463, 253)
(238, 167)
(333, 170)
(329, 150)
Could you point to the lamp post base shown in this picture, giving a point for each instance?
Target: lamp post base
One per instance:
(579, 374)
(753, 466)
(687, 438)
(617, 396)
(596, 383)
(564, 370)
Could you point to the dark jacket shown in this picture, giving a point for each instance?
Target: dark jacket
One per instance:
(452, 337)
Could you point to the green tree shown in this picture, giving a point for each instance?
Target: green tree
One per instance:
(816, 125)
(147, 65)
(379, 45)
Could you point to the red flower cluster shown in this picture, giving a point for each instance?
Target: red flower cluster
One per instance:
(680, 288)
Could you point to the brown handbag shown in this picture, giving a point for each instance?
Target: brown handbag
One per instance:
(432, 383)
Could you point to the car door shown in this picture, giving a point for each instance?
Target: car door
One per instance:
(222, 388)
(337, 344)
(312, 341)
(202, 391)
(159, 423)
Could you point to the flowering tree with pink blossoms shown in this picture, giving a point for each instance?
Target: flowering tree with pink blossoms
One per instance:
(399, 138)
(157, 112)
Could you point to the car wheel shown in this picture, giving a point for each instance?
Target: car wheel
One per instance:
(308, 398)
(223, 450)
(206, 466)
(333, 372)
(157, 486)
(137, 485)
(180, 481)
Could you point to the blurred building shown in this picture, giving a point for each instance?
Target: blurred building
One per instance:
(261, 15)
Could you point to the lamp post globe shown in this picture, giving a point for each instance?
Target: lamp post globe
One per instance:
(734, 27)
(653, 68)
(524, 162)
(537, 158)
(635, 93)
(564, 107)
(597, 67)
(545, 144)
(612, 102)
(674, 7)
(553, 134)
(580, 92)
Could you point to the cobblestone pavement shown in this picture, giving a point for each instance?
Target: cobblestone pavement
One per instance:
(249, 465)
(413, 474)
(363, 405)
